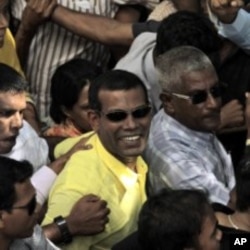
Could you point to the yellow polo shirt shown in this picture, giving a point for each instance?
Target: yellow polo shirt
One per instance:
(98, 172)
(8, 53)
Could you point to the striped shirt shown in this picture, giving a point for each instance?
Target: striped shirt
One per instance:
(179, 157)
(53, 45)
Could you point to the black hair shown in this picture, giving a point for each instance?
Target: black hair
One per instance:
(12, 172)
(66, 85)
(172, 219)
(114, 80)
(187, 28)
(11, 80)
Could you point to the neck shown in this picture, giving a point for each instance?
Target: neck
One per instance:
(4, 243)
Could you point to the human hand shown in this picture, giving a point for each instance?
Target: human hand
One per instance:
(232, 114)
(225, 10)
(88, 216)
(58, 165)
(36, 12)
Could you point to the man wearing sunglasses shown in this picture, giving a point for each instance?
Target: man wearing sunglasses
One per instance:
(113, 169)
(18, 208)
(183, 151)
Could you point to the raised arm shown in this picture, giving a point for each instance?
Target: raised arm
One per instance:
(97, 28)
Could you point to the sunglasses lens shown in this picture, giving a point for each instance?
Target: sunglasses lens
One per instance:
(141, 112)
(216, 91)
(199, 97)
(116, 116)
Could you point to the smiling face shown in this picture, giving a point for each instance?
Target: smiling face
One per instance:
(125, 139)
(18, 223)
(204, 116)
(4, 16)
(12, 106)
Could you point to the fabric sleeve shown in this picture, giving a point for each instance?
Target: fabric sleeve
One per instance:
(238, 31)
(43, 180)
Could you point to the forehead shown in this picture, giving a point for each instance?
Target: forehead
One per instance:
(199, 80)
(12, 100)
(122, 99)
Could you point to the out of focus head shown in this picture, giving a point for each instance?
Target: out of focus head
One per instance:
(178, 219)
(69, 92)
(17, 199)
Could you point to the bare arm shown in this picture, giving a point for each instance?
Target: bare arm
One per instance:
(225, 10)
(97, 28)
(88, 216)
(34, 14)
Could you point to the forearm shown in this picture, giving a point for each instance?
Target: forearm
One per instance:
(23, 39)
(97, 28)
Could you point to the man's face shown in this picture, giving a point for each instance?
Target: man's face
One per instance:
(210, 236)
(125, 139)
(4, 17)
(12, 106)
(204, 116)
(79, 113)
(18, 223)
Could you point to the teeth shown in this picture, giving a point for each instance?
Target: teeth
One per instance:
(131, 138)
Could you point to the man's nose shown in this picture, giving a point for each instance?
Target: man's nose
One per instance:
(212, 102)
(130, 122)
(17, 120)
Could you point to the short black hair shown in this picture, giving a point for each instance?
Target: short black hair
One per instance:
(12, 172)
(11, 80)
(187, 28)
(172, 219)
(66, 85)
(113, 80)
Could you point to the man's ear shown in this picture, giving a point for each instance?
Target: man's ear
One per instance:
(167, 103)
(94, 119)
(65, 111)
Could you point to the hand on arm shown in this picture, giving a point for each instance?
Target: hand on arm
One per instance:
(58, 165)
(87, 217)
(225, 10)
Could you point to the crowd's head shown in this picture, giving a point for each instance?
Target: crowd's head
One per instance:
(69, 92)
(191, 89)
(17, 199)
(178, 219)
(188, 28)
(121, 113)
(4, 20)
(12, 105)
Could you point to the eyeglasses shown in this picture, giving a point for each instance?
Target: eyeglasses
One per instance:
(120, 115)
(201, 95)
(30, 206)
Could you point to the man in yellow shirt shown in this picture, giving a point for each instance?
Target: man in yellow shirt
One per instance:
(120, 116)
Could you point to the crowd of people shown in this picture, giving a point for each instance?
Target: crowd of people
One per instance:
(124, 124)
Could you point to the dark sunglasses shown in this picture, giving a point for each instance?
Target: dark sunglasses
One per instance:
(120, 115)
(202, 95)
(30, 206)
